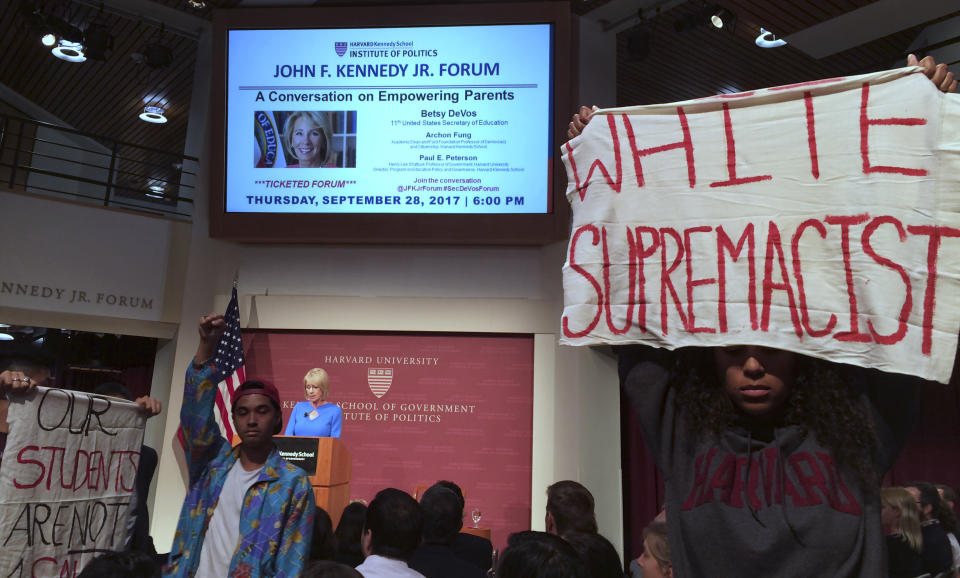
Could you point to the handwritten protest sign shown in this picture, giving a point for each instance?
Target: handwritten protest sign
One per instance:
(66, 480)
(820, 217)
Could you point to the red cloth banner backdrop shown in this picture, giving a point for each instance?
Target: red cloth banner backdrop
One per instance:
(451, 407)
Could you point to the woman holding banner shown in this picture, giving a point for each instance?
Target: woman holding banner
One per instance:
(315, 417)
(771, 460)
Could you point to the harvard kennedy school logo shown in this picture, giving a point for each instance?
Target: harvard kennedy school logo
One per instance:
(379, 380)
(340, 47)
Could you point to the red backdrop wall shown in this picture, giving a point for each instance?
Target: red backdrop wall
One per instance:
(458, 407)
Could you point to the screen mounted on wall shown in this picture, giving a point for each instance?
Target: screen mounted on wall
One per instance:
(444, 131)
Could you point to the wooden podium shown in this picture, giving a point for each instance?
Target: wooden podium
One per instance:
(329, 465)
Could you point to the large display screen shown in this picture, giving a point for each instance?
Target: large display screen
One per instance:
(439, 119)
(390, 124)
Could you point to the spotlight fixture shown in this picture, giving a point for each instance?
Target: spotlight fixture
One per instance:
(6, 337)
(69, 51)
(197, 4)
(153, 114)
(687, 22)
(638, 42)
(48, 38)
(768, 39)
(722, 18)
(97, 40)
(156, 191)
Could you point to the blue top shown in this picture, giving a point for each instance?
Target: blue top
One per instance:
(325, 425)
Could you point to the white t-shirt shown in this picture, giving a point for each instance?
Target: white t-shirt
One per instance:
(223, 533)
(375, 566)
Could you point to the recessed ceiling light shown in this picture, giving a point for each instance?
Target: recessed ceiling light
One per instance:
(6, 337)
(153, 114)
(49, 39)
(198, 4)
(69, 51)
(157, 191)
(4, 325)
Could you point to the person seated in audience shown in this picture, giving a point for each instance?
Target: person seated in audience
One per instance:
(901, 525)
(324, 545)
(635, 570)
(655, 560)
(569, 509)
(442, 521)
(125, 564)
(474, 549)
(936, 554)
(949, 498)
(532, 554)
(348, 533)
(329, 569)
(597, 553)
(391, 534)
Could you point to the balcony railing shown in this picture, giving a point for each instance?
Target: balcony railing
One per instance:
(46, 159)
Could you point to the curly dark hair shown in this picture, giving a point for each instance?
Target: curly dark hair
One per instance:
(821, 403)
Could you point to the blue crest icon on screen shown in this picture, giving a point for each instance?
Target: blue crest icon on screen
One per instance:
(340, 47)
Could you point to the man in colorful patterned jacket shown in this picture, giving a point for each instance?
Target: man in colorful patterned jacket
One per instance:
(247, 513)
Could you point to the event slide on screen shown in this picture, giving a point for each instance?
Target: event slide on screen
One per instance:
(449, 119)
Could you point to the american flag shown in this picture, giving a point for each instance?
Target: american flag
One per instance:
(230, 365)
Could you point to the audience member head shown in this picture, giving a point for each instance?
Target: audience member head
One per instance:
(393, 525)
(927, 498)
(329, 569)
(126, 564)
(350, 528)
(456, 490)
(901, 516)
(113, 389)
(948, 495)
(655, 559)
(442, 515)
(540, 555)
(569, 509)
(324, 544)
(597, 553)
(933, 506)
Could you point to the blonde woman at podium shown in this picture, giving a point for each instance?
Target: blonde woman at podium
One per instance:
(315, 417)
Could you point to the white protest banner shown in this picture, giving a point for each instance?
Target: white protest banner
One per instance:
(820, 218)
(66, 480)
